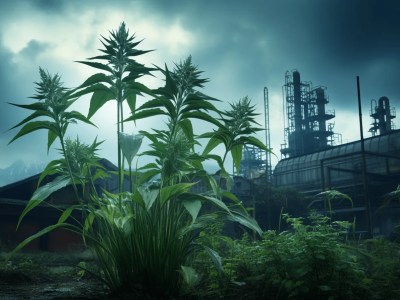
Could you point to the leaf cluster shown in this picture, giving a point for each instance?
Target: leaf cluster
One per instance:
(309, 262)
(235, 131)
(146, 236)
(51, 108)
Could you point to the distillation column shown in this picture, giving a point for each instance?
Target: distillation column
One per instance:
(383, 115)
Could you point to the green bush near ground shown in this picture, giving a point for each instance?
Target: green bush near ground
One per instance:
(312, 260)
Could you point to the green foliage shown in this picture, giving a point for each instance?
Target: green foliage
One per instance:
(143, 239)
(235, 131)
(308, 262)
(381, 259)
(152, 232)
(119, 81)
(53, 101)
(332, 195)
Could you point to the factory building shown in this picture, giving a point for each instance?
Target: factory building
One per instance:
(314, 160)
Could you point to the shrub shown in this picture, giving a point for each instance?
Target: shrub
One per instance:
(308, 262)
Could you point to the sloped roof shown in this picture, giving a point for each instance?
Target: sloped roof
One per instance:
(23, 189)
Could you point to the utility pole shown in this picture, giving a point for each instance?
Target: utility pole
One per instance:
(364, 166)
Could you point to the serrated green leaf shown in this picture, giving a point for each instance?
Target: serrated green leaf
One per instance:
(187, 128)
(93, 88)
(40, 106)
(99, 98)
(236, 152)
(170, 84)
(33, 126)
(97, 65)
(139, 88)
(78, 116)
(51, 137)
(51, 169)
(250, 140)
(212, 143)
(36, 114)
(145, 114)
(131, 100)
(96, 78)
(201, 116)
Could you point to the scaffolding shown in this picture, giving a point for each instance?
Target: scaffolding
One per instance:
(253, 163)
(268, 172)
(306, 128)
(383, 115)
(256, 162)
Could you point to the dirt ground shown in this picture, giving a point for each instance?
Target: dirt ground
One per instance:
(48, 276)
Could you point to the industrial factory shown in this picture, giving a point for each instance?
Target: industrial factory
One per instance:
(314, 160)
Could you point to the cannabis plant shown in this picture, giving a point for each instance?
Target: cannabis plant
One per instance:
(145, 237)
(51, 110)
(236, 130)
(156, 231)
(118, 80)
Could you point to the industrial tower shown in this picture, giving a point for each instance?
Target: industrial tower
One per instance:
(382, 114)
(256, 162)
(306, 128)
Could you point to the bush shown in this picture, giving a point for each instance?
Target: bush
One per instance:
(308, 262)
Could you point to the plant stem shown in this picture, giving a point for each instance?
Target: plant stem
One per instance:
(69, 167)
(119, 148)
(130, 179)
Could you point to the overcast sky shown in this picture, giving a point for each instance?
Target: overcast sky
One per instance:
(242, 47)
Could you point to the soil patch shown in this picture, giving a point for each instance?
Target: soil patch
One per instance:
(48, 276)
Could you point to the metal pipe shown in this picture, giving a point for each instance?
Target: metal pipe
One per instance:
(364, 165)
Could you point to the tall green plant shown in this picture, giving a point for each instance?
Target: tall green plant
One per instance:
(145, 237)
(167, 215)
(236, 130)
(118, 80)
(51, 108)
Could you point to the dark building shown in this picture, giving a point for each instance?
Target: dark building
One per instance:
(314, 162)
(14, 198)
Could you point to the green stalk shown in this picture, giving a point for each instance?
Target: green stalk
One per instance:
(130, 179)
(119, 148)
(122, 130)
(223, 162)
(91, 181)
(61, 137)
(119, 129)
(69, 167)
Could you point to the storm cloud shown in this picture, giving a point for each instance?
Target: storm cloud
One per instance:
(241, 46)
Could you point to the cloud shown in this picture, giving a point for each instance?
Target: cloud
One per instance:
(242, 47)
